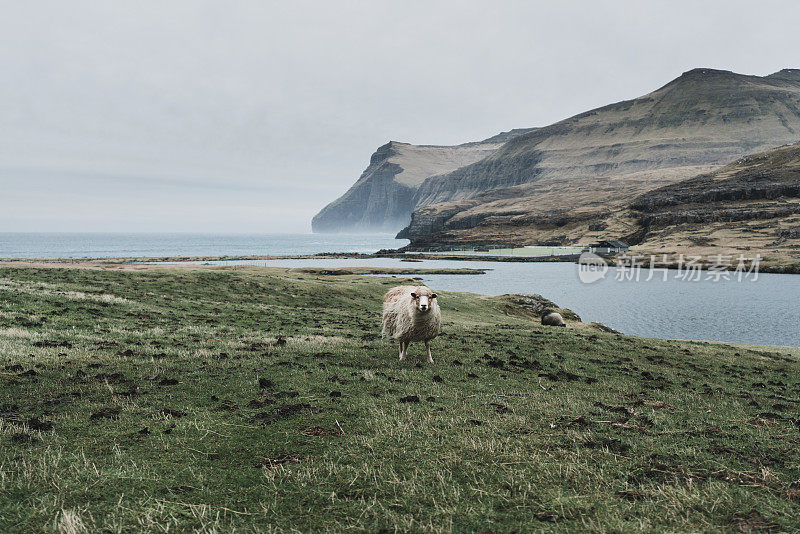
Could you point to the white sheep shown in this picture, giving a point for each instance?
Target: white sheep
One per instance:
(411, 314)
(551, 318)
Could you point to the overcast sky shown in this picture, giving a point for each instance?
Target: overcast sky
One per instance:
(237, 116)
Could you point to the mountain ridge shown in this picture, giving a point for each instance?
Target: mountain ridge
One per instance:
(519, 185)
(702, 119)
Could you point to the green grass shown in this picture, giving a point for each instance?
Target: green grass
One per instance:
(264, 400)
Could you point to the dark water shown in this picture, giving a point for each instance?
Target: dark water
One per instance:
(77, 245)
(762, 312)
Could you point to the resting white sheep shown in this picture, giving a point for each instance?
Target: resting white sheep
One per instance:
(551, 318)
(411, 314)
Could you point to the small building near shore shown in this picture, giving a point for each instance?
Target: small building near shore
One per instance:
(609, 247)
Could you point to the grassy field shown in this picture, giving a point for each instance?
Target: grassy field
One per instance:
(263, 400)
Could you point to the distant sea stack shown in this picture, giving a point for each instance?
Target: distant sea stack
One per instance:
(560, 183)
(383, 197)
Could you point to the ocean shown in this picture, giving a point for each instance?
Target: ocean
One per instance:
(97, 245)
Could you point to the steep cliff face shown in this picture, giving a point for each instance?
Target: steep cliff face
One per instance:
(376, 202)
(383, 197)
(600, 160)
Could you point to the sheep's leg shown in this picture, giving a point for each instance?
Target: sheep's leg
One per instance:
(428, 348)
(403, 347)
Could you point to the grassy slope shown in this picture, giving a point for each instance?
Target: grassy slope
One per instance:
(151, 383)
(700, 217)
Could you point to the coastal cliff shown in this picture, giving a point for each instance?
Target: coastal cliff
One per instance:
(384, 196)
(555, 182)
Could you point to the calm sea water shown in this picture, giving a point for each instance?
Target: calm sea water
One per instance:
(88, 245)
(763, 312)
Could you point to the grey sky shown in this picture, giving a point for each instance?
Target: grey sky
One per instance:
(236, 116)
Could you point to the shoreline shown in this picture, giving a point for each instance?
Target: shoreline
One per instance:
(766, 266)
(314, 271)
(336, 272)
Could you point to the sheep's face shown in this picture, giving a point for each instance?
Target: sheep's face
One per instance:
(423, 299)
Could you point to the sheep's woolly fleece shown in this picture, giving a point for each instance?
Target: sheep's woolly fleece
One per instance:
(402, 320)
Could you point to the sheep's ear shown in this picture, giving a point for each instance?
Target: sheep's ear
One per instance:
(433, 296)
(413, 295)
